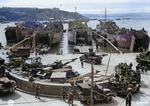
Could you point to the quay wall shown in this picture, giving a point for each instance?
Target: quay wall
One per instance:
(48, 89)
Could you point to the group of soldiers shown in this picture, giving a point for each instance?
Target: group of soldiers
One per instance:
(124, 74)
(143, 60)
(123, 69)
(144, 69)
(63, 94)
(70, 96)
(60, 53)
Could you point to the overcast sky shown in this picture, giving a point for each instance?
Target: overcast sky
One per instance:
(84, 6)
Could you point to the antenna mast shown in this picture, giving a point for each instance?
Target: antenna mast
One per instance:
(75, 13)
(105, 14)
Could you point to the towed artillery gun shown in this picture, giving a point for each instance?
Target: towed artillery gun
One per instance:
(16, 62)
(45, 71)
(58, 64)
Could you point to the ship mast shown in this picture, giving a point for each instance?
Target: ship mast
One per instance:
(105, 13)
(75, 13)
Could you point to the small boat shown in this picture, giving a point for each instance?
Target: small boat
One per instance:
(118, 19)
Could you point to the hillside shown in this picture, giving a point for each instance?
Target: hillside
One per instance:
(34, 14)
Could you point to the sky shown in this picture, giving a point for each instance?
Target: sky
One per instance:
(84, 6)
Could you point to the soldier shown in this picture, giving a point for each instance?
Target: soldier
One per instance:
(142, 69)
(71, 96)
(138, 77)
(72, 81)
(97, 46)
(37, 91)
(82, 64)
(36, 53)
(117, 77)
(62, 94)
(77, 80)
(146, 70)
(137, 68)
(23, 67)
(130, 66)
(128, 99)
(61, 52)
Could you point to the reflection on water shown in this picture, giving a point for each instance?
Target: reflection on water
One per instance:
(63, 45)
(2, 33)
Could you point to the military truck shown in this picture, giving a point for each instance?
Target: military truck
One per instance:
(6, 85)
(125, 79)
(92, 57)
(84, 93)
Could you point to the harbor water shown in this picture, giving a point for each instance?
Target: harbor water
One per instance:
(134, 23)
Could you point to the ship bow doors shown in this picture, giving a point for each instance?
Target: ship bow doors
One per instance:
(42, 39)
(81, 37)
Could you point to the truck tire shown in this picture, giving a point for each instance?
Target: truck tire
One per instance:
(12, 89)
(89, 101)
(138, 89)
(108, 99)
(94, 62)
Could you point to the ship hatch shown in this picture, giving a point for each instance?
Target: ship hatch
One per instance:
(44, 40)
(81, 38)
(11, 35)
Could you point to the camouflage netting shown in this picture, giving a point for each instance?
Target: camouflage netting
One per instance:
(125, 79)
(144, 59)
(78, 24)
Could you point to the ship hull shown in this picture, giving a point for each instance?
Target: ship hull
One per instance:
(13, 34)
(48, 37)
(124, 40)
(56, 37)
(16, 34)
(135, 40)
